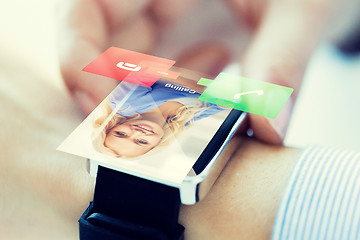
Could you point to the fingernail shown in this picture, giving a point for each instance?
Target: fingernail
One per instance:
(281, 122)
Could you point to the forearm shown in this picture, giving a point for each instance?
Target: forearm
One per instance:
(245, 198)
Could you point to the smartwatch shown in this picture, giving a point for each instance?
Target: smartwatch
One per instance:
(131, 207)
(155, 141)
(152, 147)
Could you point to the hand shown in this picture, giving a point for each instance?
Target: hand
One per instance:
(285, 35)
(89, 27)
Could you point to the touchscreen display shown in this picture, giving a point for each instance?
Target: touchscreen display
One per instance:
(155, 132)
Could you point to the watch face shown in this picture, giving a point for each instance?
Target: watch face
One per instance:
(155, 132)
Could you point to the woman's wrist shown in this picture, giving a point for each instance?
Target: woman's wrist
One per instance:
(245, 198)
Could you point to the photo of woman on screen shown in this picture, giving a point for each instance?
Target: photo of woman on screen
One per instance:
(137, 119)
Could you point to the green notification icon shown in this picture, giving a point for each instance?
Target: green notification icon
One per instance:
(248, 95)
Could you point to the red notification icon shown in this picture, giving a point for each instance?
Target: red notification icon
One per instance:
(129, 66)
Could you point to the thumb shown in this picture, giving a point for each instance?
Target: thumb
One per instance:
(279, 54)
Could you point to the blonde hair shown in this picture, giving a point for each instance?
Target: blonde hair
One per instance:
(111, 118)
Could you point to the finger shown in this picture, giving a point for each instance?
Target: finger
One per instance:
(200, 61)
(248, 12)
(85, 31)
(279, 54)
(165, 12)
(118, 13)
(98, 17)
(208, 58)
(90, 89)
(140, 35)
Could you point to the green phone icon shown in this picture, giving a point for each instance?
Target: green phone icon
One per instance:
(248, 95)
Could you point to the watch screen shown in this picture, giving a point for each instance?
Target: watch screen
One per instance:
(155, 132)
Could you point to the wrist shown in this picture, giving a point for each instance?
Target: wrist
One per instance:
(245, 198)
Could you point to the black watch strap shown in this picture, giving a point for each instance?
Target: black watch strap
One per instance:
(129, 207)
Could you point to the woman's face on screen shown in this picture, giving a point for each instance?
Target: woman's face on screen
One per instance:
(134, 138)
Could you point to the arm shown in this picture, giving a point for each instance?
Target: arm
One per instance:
(245, 198)
(45, 191)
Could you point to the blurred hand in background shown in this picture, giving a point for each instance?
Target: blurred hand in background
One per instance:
(89, 27)
(285, 33)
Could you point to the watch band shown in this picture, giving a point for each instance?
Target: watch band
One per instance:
(129, 207)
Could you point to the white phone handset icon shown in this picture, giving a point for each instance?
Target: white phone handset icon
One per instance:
(258, 92)
(129, 66)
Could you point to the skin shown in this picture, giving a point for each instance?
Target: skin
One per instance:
(134, 138)
(45, 191)
(243, 202)
(277, 53)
